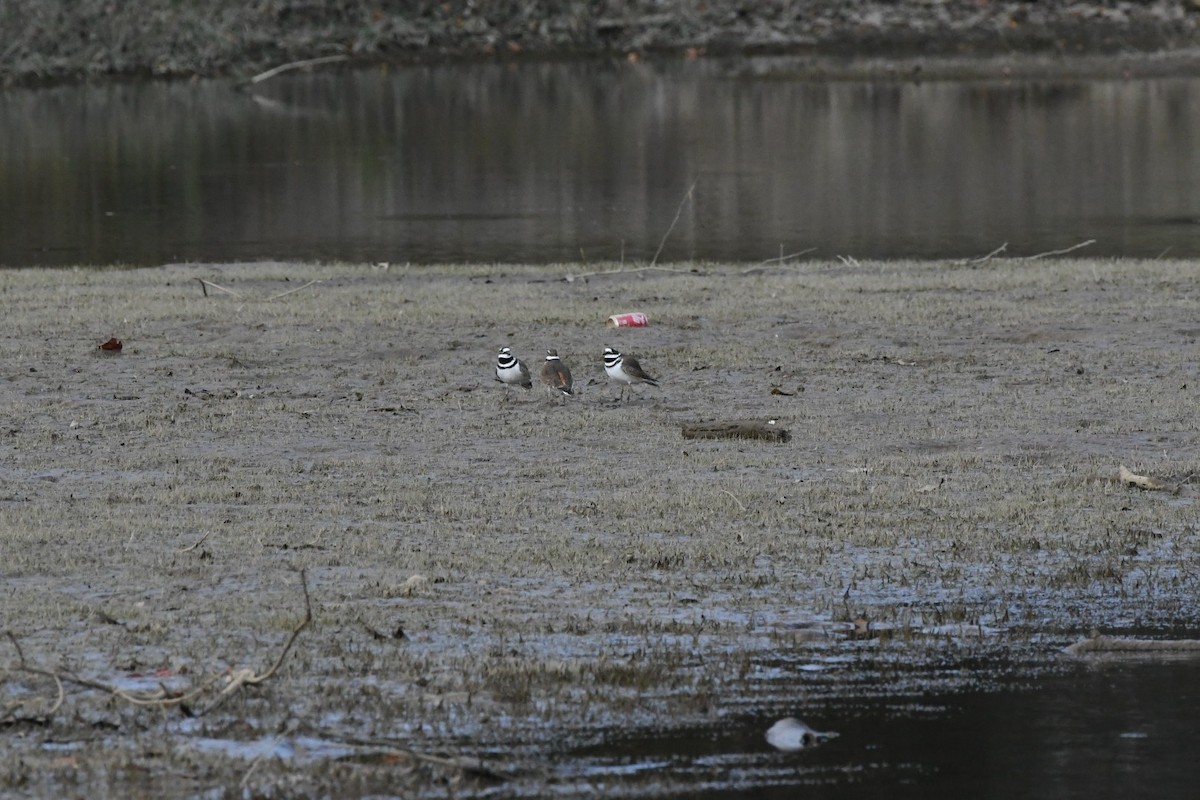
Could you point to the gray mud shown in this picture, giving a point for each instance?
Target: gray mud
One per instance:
(498, 575)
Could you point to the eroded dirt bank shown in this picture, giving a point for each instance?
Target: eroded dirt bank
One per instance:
(498, 575)
(50, 40)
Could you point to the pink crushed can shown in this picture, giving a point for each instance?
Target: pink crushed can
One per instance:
(634, 319)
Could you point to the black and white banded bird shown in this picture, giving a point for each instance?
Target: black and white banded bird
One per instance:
(555, 375)
(510, 370)
(625, 370)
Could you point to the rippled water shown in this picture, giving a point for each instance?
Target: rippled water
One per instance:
(554, 162)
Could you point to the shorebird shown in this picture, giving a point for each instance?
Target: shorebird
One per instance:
(510, 370)
(791, 734)
(625, 370)
(555, 375)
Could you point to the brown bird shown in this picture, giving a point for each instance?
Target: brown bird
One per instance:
(555, 375)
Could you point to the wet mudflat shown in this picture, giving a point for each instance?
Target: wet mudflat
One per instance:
(513, 595)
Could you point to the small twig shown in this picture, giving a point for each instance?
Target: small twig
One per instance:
(308, 62)
(17, 646)
(192, 547)
(788, 257)
(849, 261)
(205, 283)
(304, 623)
(217, 286)
(988, 257)
(678, 211)
(575, 276)
(734, 496)
(62, 695)
(292, 291)
(1059, 252)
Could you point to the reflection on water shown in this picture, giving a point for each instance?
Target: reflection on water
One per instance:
(1108, 728)
(543, 162)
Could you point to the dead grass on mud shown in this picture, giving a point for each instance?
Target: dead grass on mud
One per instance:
(957, 431)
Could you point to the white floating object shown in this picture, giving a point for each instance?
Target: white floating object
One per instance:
(789, 734)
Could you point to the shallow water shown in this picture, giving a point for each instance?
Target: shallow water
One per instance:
(1106, 727)
(558, 162)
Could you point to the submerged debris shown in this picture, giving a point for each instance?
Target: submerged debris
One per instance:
(1111, 644)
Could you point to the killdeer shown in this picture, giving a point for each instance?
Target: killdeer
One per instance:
(625, 370)
(510, 370)
(555, 374)
(790, 733)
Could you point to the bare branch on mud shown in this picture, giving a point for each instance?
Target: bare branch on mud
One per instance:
(192, 547)
(782, 259)
(469, 765)
(308, 62)
(164, 697)
(1059, 252)
(983, 258)
(205, 284)
(292, 291)
(246, 676)
(625, 271)
(22, 666)
(741, 505)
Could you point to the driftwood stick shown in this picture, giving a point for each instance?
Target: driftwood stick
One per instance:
(308, 62)
(204, 284)
(624, 270)
(985, 257)
(192, 547)
(764, 431)
(788, 257)
(292, 291)
(1059, 252)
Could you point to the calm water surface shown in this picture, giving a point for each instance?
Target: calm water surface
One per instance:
(554, 162)
(1103, 728)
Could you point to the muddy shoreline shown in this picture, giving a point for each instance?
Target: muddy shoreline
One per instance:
(156, 38)
(500, 580)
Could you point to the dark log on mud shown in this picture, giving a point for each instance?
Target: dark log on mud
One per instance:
(735, 430)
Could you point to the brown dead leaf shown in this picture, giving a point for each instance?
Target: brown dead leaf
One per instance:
(113, 345)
